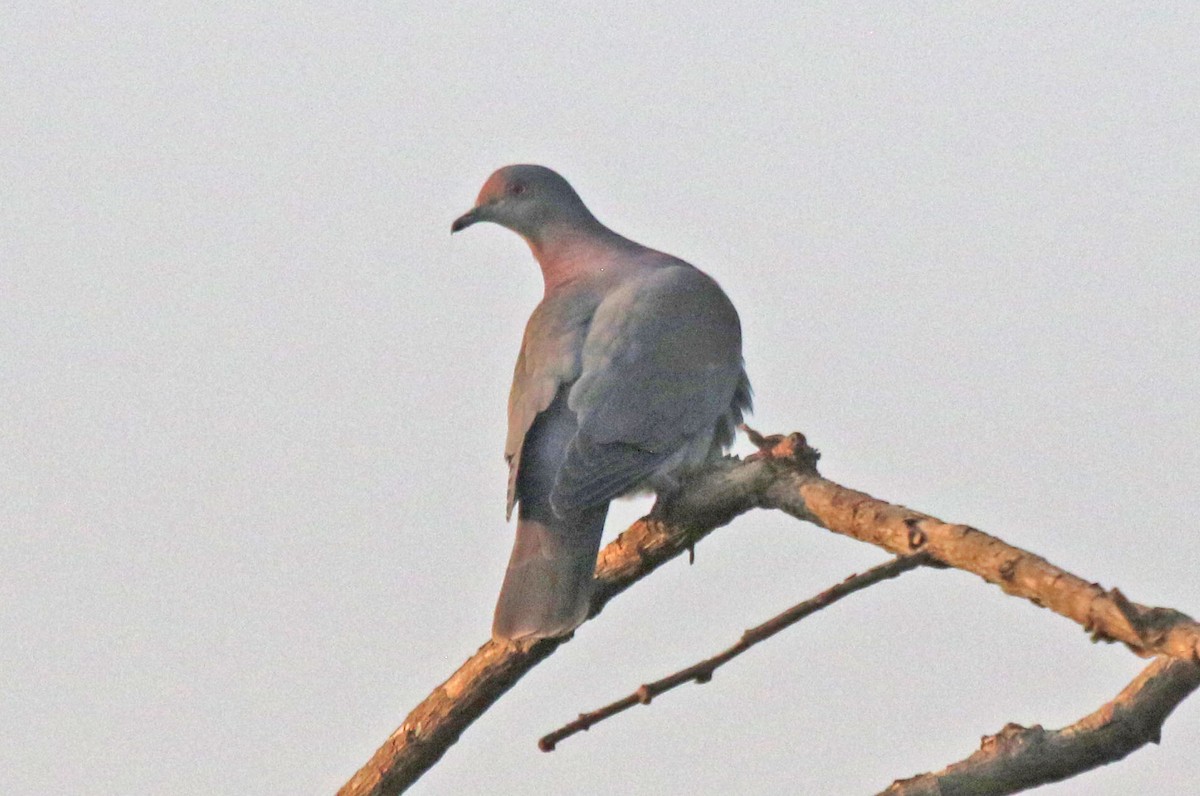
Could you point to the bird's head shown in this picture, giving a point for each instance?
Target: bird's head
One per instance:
(527, 199)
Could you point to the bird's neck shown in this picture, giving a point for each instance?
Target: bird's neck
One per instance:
(569, 254)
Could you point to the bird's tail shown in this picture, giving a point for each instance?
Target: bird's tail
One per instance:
(548, 585)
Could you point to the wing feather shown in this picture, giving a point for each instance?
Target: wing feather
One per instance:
(661, 363)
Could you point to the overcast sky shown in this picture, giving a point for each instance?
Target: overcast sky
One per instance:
(252, 393)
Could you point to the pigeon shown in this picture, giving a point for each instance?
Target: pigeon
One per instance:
(630, 374)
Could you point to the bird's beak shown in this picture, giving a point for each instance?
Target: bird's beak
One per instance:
(465, 220)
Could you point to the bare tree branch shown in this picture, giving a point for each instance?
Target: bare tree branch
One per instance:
(1019, 757)
(702, 672)
(1106, 614)
(783, 477)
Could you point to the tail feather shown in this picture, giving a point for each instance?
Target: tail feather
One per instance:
(547, 588)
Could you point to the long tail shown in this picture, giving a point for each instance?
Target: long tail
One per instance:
(548, 585)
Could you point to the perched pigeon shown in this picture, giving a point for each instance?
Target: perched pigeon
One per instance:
(630, 373)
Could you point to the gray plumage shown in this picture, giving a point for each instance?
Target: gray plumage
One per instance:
(630, 373)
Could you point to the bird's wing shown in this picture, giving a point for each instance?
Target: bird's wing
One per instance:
(550, 358)
(661, 363)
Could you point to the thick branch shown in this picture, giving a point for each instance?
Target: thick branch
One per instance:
(1106, 613)
(702, 672)
(1019, 757)
(785, 478)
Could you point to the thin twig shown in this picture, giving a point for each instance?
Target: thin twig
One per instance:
(702, 672)
(1018, 758)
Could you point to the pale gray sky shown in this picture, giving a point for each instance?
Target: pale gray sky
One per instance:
(254, 393)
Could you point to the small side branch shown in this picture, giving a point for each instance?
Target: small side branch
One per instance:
(702, 672)
(1018, 758)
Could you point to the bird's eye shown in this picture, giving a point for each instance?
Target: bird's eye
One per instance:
(517, 189)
